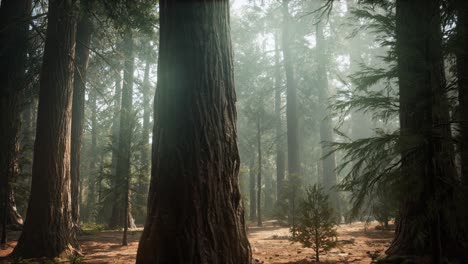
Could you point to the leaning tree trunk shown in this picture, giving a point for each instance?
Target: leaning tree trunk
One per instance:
(46, 231)
(14, 15)
(195, 213)
(428, 168)
(326, 129)
(462, 75)
(121, 213)
(83, 40)
(280, 158)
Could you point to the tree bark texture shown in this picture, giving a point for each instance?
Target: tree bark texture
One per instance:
(195, 213)
(83, 41)
(428, 167)
(46, 231)
(14, 19)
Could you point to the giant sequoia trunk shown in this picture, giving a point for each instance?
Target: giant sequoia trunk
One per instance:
(292, 120)
(121, 213)
(195, 213)
(279, 137)
(83, 40)
(46, 231)
(427, 212)
(462, 75)
(326, 129)
(14, 15)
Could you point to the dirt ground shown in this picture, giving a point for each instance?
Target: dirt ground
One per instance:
(359, 243)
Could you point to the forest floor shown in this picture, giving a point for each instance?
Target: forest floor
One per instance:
(359, 244)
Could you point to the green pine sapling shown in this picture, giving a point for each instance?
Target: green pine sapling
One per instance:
(316, 222)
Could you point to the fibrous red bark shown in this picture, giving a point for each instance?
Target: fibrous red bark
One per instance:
(47, 229)
(195, 213)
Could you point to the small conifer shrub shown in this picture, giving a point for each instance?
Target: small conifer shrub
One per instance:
(316, 222)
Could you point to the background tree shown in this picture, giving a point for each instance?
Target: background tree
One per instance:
(121, 215)
(83, 41)
(294, 165)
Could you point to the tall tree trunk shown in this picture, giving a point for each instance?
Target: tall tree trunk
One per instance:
(326, 129)
(195, 213)
(259, 173)
(114, 142)
(115, 128)
(253, 197)
(292, 122)
(280, 158)
(269, 194)
(46, 231)
(126, 128)
(143, 181)
(462, 75)
(121, 214)
(83, 40)
(116, 120)
(426, 145)
(92, 171)
(14, 17)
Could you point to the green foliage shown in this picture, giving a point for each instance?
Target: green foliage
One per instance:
(316, 223)
(132, 14)
(372, 162)
(371, 165)
(384, 206)
(92, 227)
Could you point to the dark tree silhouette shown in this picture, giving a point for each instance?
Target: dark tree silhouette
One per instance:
(14, 17)
(426, 147)
(462, 75)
